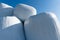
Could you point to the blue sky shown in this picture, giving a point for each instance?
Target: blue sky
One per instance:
(40, 5)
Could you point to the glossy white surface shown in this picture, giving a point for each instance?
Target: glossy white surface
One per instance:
(11, 28)
(43, 26)
(23, 11)
(5, 10)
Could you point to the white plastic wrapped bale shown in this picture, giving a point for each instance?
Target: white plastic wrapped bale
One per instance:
(23, 11)
(11, 28)
(42, 27)
(5, 9)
